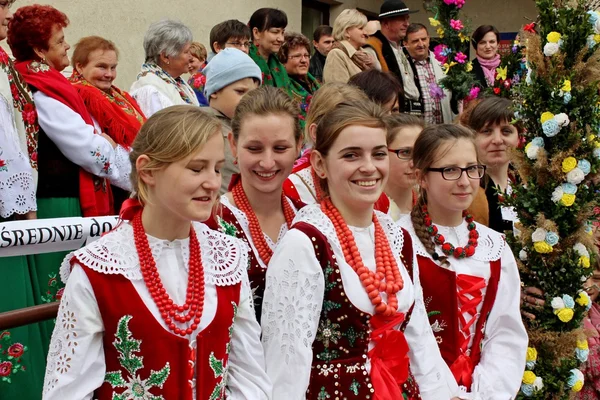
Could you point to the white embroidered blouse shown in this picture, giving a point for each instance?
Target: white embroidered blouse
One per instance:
(500, 370)
(76, 365)
(294, 297)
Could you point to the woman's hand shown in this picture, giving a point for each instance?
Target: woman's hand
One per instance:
(112, 142)
(532, 298)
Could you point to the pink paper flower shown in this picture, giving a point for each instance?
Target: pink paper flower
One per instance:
(456, 24)
(473, 93)
(460, 57)
(449, 2)
(439, 52)
(459, 3)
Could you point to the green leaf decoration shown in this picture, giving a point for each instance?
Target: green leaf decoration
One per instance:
(126, 346)
(158, 378)
(115, 379)
(216, 365)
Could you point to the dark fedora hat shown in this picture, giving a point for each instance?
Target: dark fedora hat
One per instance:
(394, 8)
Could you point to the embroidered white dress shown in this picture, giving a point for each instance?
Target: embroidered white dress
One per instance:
(500, 370)
(294, 298)
(76, 365)
(153, 94)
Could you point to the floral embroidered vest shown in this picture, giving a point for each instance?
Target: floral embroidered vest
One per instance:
(340, 350)
(447, 321)
(144, 360)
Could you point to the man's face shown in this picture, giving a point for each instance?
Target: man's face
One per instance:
(394, 28)
(324, 45)
(417, 44)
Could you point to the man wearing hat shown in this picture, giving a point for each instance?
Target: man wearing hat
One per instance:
(386, 46)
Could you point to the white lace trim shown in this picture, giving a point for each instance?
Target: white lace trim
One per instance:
(306, 179)
(245, 225)
(17, 194)
(123, 165)
(490, 245)
(224, 258)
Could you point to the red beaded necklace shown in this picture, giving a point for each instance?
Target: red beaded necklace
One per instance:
(317, 182)
(258, 238)
(170, 312)
(448, 248)
(386, 266)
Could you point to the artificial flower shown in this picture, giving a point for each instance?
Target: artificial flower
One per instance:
(584, 262)
(565, 314)
(469, 67)
(553, 37)
(584, 300)
(436, 91)
(575, 381)
(528, 377)
(562, 119)
(557, 303)
(542, 247)
(546, 116)
(569, 188)
(582, 354)
(551, 128)
(597, 38)
(460, 57)
(434, 22)
(538, 141)
(551, 49)
(532, 151)
(584, 166)
(567, 98)
(581, 250)
(529, 27)
(597, 152)
(552, 238)
(474, 92)
(539, 235)
(532, 354)
(448, 66)
(440, 32)
(566, 87)
(439, 53)
(527, 390)
(523, 255)
(463, 37)
(583, 344)
(575, 176)
(593, 15)
(557, 194)
(456, 24)
(538, 384)
(567, 200)
(501, 73)
(568, 300)
(569, 164)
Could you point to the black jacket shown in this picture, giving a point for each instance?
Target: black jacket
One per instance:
(317, 63)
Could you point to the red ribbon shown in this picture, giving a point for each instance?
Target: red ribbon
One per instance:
(462, 369)
(389, 357)
(129, 209)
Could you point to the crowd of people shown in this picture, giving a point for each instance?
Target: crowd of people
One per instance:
(293, 226)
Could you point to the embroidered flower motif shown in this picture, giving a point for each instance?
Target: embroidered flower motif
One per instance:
(328, 333)
(16, 350)
(5, 368)
(3, 166)
(102, 160)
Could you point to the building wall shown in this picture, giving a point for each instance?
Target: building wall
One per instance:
(125, 22)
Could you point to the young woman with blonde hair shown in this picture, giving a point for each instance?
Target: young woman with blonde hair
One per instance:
(467, 271)
(153, 308)
(341, 314)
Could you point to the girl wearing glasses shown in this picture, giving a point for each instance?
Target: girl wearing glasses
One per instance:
(341, 315)
(468, 273)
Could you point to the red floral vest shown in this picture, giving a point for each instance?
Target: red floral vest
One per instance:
(142, 357)
(448, 323)
(340, 350)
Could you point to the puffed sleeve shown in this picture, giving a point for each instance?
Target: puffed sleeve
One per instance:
(17, 182)
(76, 366)
(247, 378)
(336, 69)
(150, 99)
(77, 141)
(291, 310)
(431, 372)
(498, 375)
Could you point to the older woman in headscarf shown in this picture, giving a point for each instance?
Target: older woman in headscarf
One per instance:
(159, 84)
(294, 54)
(94, 64)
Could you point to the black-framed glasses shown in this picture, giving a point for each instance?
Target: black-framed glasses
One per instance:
(454, 173)
(403, 153)
(239, 44)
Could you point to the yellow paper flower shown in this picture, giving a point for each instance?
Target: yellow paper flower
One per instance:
(542, 247)
(529, 377)
(569, 164)
(501, 73)
(440, 32)
(577, 387)
(547, 116)
(582, 299)
(567, 200)
(553, 37)
(434, 22)
(463, 37)
(597, 38)
(527, 146)
(585, 263)
(582, 344)
(531, 354)
(566, 87)
(448, 66)
(469, 67)
(565, 314)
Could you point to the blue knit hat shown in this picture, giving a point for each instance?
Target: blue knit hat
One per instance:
(227, 67)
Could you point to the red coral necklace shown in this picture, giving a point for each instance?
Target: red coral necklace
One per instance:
(258, 238)
(170, 312)
(448, 248)
(386, 278)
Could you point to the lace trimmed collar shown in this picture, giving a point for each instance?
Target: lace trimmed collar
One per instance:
(224, 258)
(490, 244)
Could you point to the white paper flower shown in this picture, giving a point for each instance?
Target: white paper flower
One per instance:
(532, 151)
(581, 250)
(557, 303)
(575, 176)
(538, 384)
(523, 255)
(557, 194)
(539, 235)
(597, 27)
(551, 49)
(562, 119)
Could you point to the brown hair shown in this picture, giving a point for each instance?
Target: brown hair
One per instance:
(380, 87)
(362, 113)
(425, 154)
(230, 29)
(481, 32)
(88, 44)
(491, 110)
(329, 96)
(414, 28)
(169, 136)
(395, 122)
(266, 100)
(322, 30)
(291, 41)
(198, 50)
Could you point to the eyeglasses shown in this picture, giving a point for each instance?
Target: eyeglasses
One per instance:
(403, 153)
(454, 173)
(300, 56)
(6, 4)
(239, 44)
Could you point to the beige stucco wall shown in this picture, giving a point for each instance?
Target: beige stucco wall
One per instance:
(125, 22)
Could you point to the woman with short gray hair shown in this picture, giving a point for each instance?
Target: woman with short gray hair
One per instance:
(159, 84)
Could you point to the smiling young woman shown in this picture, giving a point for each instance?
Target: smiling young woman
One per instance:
(340, 299)
(468, 273)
